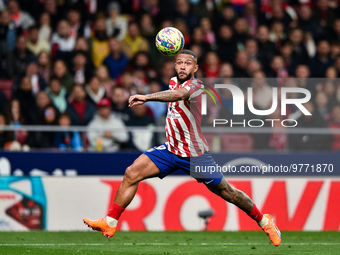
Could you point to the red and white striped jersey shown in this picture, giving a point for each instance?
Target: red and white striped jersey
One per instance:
(183, 122)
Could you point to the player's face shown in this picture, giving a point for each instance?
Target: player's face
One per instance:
(185, 67)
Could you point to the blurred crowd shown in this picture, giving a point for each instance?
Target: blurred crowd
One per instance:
(76, 62)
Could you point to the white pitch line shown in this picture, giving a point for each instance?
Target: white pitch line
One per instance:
(156, 244)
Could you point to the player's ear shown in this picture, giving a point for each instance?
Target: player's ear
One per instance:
(196, 68)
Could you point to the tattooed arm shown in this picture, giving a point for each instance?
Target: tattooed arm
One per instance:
(163, 96)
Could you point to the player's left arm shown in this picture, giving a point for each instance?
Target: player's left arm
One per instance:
(163, 96)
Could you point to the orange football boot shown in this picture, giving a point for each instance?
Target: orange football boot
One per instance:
(100, 225)
(272, 231)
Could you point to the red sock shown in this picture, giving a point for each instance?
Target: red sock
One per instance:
(115, 211)
(255, 214)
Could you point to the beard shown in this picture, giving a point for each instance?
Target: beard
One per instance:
(188, 77)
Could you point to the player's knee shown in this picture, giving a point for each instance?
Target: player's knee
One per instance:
(131, 175)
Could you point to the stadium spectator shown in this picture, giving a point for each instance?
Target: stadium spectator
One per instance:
(82, 69)
(152, 7)
(226, 45)
(253, 66)
(324, 13)
(279, 13)
(335, 49)
(141, 139)
(14, 117)
(299, 49)
(226, 71)
(58, 94)
(83, 45)
(322, 104)
(127, 82)
(45, 139)
(120, 104)
(141, 61)
(51, 8)
(240, 33)
(3, 102)
(277, 34)
(116, 24)
(211, 65)
(75, 20)
(19, 58)
(37, 81)
(60, 72)
(26, 98)
(277, 68)
(44, 63)
(80, 109)
(262, 92)
(91, 7)
(198, 39)
(45, 30)
(98, 42)
(63, 41)
(208, 33)
(116, 61)
(273, 141)
(95, 91)
(67, 140)
(241, 65)
(250, 14)
(251, 49)
(310, 142)
(334, 123)
(266, 48)
(322, 60)
(4, 135)
(308, 23)
(288, 46)
(148, 28)
(158, 108)
(227, 16)
(41, 102)
(167, 71)
(19, 17)
(303, 81)
(133, 41)
(290, 61)
(103, 76)
(8, 34)
(108, 140)
(184, 12)
(36, 44)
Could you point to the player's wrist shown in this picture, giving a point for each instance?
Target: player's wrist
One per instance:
(147, 98)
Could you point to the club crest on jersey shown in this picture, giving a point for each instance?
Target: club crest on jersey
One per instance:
(172, 113)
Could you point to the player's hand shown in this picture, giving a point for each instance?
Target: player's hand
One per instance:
(137, 100)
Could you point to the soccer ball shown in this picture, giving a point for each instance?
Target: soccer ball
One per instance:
(169, 41)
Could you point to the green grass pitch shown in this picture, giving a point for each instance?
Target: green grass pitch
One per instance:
(40, 242)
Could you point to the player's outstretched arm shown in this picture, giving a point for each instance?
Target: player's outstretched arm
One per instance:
(164, 96)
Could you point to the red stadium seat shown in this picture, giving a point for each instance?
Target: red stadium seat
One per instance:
(236, 142)
(6, 87)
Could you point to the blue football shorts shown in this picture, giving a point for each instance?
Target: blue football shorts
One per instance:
(196, 167)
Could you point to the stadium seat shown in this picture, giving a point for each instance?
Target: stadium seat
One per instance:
(236, 142)
(6, 87)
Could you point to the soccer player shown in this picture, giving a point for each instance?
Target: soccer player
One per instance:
(185, 148)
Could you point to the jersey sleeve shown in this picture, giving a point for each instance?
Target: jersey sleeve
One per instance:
(195, 88)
